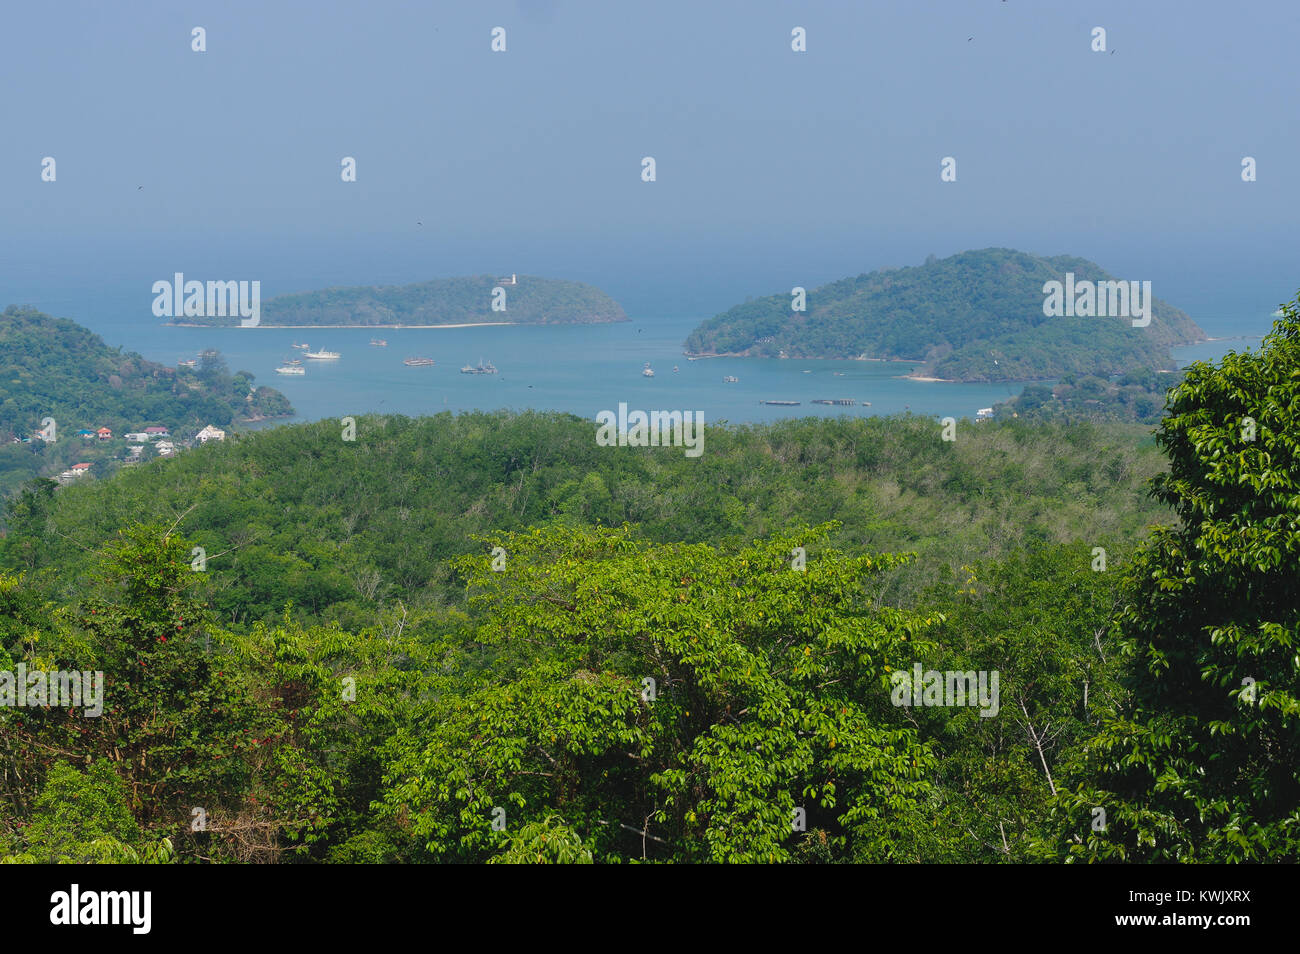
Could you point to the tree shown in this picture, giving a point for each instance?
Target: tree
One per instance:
(670, 702)
(1205, 764)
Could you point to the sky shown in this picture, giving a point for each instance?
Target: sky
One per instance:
(773, 167)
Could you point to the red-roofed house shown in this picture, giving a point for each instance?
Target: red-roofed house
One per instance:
(104, 434)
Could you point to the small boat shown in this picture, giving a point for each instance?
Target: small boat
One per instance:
(379, 342)
(290, 369)
(674, 369)
(731, 379)
(304, 347)
(418, 362)
(484, 367)
(781, 403)
(807, 372)
(647, 371)
(323, 355)
(190, 363)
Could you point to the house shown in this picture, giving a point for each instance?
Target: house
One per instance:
(210, 433)
(984, 414)
(104, 434)
(85, 434)
(512, 280)
(165, 448)
(137, 436)
(135, 450)
(155, 432)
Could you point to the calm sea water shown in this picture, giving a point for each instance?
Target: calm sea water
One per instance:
(581, 369)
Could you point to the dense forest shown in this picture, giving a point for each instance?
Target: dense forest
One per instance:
(1137, 395)
(444, 301)
(484, 638)
(55, 368)
(976, 316)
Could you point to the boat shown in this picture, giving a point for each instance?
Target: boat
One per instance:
(323, 355)
(844, 402)
(731, 379)
(484, 367)
(648, 371)
(304, 347)
(674, 369)
(418, 362)
(781, 403)
(290, 369)
(379, 342)
(191, 363)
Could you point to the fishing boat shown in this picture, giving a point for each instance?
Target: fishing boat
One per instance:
(290, 369)
(323, 355)
(647, 371)
(731, 379)
(418, 362)
(379, 342)
(190, 363)
(484, 367)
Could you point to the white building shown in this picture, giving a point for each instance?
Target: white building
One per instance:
(210, 433)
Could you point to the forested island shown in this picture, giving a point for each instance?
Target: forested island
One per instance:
(53, 368)
(485, 638)
(523, 299)
(976, 316)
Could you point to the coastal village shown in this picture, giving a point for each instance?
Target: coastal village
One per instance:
(140, 445)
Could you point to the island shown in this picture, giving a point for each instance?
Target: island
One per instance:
(443, 302)
(975, 316)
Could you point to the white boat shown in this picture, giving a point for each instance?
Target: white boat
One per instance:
(484, 367)
(323, 355)
(290, 369)
(304, 347)
(731, 379)
(647, 371)
(379, 342)
(674, 369)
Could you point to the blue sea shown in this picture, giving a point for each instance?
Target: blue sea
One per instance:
(581, 369)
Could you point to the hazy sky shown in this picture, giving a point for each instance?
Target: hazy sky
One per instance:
(773, 167)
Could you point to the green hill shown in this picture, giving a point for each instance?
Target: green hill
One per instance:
(52, 367)
(976, 316)
(444, 301)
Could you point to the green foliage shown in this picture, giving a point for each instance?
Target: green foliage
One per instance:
(341, 529)
(1204, 765)
(80, 817)
(976, 316)
(51, 367)
(1137, 395)
(767, 690)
